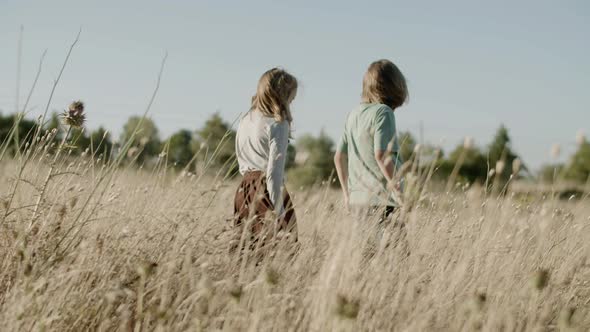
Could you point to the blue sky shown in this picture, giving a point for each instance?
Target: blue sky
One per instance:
(470, 65)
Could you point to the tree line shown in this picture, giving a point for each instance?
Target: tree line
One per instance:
(309, 160)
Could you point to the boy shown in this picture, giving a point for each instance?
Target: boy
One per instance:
(367, 154)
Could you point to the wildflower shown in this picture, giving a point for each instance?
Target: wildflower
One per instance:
(74, 116)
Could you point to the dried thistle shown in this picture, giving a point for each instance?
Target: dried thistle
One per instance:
(347, 308)
(62, 211)
(74, 116)
(541, 279)
(272, 276)
(479, 301)
(236, 291)
(28, 269)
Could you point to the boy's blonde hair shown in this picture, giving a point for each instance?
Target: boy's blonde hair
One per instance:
(275, 89)
(384, 83)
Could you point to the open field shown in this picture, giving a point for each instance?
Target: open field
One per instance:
(124, 249)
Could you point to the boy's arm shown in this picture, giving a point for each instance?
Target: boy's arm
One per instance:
(383, 158)
(383, 139)
(341, 163)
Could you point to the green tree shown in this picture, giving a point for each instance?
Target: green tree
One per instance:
(146, 137)
(291, 154)
(578, 168)
(12, 136)
(550, 173)
(54, 123)
(179, 149)
(318, 165)
(474, 167)
(500, 150)
(102, 144)
(215, 146)
(78, 140)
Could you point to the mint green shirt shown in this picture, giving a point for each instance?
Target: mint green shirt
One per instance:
(369, 128)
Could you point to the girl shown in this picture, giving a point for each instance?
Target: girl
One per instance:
(367, 155)
(261, 147)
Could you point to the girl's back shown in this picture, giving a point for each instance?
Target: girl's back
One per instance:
(253, 140)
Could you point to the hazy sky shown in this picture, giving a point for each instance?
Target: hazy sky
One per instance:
(470, 66)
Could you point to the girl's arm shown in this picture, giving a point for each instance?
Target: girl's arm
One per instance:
(275, 170)
(341, 163)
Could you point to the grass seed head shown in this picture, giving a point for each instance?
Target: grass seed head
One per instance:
(555, 151)
(62, 211)
(566, 317)
(73, 201)
(516, 164)
(145, 269)
(580, 138)
(500, 166)
(468, 142)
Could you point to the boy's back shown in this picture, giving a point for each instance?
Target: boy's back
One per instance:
(369, 128)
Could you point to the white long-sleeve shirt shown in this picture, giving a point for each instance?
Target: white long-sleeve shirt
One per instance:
(261, 145)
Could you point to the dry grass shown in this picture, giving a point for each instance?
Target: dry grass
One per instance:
(122, 249)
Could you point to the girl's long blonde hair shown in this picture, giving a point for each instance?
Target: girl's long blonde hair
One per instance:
(275, 89)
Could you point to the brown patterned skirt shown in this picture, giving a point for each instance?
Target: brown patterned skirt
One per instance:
(252, 204)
